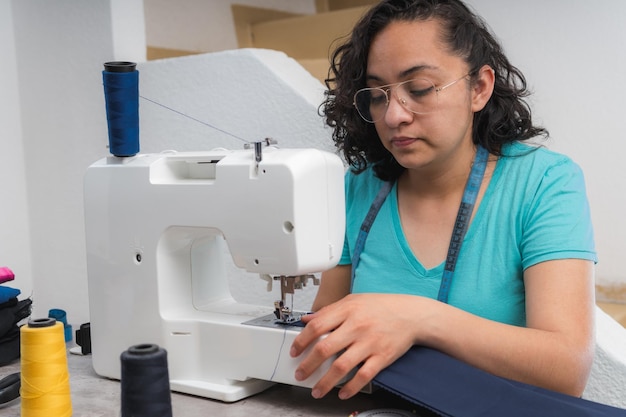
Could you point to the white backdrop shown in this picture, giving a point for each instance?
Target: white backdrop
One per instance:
(573, 56)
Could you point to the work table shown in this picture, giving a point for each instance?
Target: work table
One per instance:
(94, 396)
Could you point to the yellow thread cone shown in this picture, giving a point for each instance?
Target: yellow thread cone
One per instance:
(45, 389)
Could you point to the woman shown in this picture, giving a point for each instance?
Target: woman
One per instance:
(422, 98)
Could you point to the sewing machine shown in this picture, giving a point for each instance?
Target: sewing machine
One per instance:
(158, 230)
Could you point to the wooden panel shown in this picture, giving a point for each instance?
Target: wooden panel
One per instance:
(153, 53)
(615, 293)
(329, 5)
(612, 299)
(306, 37)
(317, 67)
(617, 311)
(246, 16)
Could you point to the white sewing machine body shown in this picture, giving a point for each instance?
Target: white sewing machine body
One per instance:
(157, 228)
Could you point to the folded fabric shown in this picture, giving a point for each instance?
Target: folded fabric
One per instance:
(11, 313)
(451, 388)
(10, 303)
(6, 274)
(10, 346)
(6, 293)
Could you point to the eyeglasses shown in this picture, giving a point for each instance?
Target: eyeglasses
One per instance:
(418, 96)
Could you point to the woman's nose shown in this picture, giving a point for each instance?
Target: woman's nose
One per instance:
(397, 113)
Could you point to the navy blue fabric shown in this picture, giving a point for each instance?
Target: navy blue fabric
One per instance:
(449, 387)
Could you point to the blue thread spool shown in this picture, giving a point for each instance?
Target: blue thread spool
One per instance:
(121, 94)
(61, 316)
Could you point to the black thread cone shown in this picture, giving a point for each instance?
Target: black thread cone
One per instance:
(145, 382)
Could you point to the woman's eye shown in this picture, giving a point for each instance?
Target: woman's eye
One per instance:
(420, 92)
(378, 97)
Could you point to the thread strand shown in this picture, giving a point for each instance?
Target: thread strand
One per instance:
(195, 119)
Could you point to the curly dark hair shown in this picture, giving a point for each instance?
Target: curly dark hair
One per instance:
(505, 118)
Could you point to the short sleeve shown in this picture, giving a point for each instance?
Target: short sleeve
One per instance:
(557, 223)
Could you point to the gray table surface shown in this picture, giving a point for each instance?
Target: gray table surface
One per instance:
(94, 396)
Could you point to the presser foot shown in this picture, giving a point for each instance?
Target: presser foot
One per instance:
(284, 314)
(288, 284)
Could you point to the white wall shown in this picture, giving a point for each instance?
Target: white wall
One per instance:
(571, 52)
(14, 229)
(60, 47)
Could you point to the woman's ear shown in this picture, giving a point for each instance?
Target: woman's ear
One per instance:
(482, 87)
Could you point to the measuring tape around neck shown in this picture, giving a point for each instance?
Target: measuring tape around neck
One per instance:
(460, 225)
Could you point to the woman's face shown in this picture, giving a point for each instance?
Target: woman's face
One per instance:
(408, 50)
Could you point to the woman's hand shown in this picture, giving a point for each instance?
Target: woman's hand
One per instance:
(367, 331)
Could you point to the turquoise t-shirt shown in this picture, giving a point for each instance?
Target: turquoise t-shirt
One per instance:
(535, 209)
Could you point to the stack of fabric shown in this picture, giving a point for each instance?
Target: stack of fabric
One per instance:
(12, 312)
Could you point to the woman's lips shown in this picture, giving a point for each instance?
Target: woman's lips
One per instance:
(402, 142)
